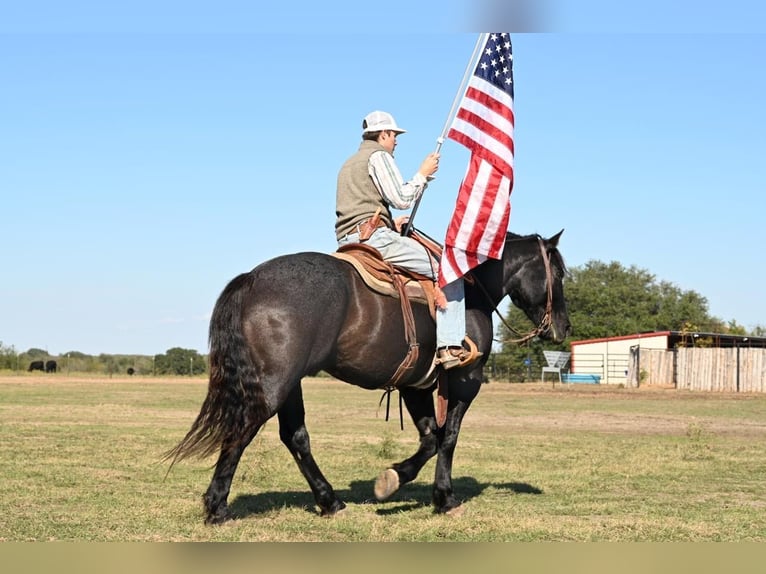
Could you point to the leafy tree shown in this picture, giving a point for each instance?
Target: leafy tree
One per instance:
(678, 308)
(734, 328)
(35, 353)
(78, 362)
(8, 358)
(178, 361)
(606, 300)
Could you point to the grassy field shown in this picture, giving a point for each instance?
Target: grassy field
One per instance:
(80, 461)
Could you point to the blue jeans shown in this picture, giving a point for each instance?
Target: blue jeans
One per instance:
(407, 253)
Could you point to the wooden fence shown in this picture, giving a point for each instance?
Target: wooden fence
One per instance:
(700, 369)
(651, 367)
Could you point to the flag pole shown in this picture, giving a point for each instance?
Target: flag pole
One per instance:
(480, 41)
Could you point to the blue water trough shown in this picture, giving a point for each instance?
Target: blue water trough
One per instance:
(576, 378)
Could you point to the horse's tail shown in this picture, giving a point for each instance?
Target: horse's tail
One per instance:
(235, 402)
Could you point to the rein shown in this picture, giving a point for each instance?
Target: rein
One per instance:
(545, 322)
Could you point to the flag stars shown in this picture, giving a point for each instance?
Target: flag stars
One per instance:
(496, 62)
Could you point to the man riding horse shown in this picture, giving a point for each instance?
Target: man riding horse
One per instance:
(301, 313)
(369, 184)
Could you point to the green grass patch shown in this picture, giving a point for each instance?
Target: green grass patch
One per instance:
(80, 461)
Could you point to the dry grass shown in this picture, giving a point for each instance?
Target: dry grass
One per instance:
(80, 461)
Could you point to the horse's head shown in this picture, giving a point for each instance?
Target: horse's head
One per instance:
(533, 272)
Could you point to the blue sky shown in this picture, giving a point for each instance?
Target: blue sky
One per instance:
(149, 154)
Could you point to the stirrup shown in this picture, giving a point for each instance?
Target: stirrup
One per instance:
(450, 358)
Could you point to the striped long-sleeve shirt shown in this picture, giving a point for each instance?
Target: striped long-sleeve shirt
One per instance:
(385, 174)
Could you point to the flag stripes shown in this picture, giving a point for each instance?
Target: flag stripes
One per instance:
(484, 124)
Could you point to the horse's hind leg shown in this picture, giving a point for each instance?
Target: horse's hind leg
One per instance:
(293, 433)
(420, 405)
(216, 507)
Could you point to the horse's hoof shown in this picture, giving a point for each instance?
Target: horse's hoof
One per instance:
(386, 484)
(217, 518)
(337, 509)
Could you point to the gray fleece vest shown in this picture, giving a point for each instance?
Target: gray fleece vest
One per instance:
(357, 198)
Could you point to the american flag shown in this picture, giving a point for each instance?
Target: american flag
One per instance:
(484, 124)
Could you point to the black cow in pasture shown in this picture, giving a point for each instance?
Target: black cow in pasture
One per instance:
(36, 366)
(131, 371)
(51, 366)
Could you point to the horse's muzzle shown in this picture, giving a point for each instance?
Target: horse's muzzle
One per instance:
(557, 333)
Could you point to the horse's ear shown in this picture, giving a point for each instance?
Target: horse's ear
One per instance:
(554, 241)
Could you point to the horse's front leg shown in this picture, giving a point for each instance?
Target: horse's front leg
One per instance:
(462, 390)
(420, 405)
(443, 498)
(293, 433)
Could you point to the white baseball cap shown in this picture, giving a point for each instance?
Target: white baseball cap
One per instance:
(380, 121)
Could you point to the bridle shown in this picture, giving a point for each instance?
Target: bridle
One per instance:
(546, 321)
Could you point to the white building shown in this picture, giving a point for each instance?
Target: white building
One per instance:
(609, 358)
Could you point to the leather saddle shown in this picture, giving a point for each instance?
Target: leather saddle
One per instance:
(389, 280)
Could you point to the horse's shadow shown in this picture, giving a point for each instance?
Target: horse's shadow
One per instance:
(409, 497)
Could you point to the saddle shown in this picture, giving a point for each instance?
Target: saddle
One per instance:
(387, 279)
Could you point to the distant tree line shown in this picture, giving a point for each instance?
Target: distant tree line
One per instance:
(175, 361)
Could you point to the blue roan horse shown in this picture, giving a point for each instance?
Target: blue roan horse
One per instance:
(295, 315)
